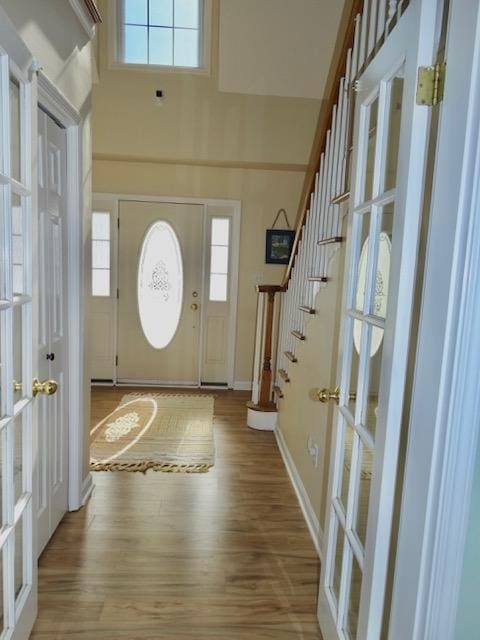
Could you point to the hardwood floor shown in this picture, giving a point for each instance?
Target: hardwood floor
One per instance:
(222, 555)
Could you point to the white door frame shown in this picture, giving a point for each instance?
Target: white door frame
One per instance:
(115, 198)
(55, 103)
(444, 424)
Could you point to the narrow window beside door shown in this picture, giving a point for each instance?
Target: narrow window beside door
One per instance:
(100, 254)
(219, 254)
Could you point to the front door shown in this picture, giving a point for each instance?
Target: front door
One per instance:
(160, 262)
(387, 186)
(52, 486)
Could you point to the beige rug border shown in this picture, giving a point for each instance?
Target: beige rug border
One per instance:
(166, 467)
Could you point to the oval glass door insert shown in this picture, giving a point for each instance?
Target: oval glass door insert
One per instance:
(160, 284)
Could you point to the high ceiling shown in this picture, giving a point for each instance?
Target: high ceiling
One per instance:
(277, 47)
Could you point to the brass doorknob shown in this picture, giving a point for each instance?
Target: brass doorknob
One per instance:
(194, 306)
(327, 395)
(47, 387)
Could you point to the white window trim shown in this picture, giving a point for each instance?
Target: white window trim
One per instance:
(114, 48)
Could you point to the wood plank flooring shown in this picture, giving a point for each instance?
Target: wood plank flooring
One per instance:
(224, 555)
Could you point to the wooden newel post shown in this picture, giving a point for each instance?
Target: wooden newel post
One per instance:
(266, 376)
(261, 410)
(264, 399)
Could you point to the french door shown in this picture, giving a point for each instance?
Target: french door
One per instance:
(52, 485)
(387, 186)
(17, 337)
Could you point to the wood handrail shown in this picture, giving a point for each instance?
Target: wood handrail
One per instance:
(336, 73)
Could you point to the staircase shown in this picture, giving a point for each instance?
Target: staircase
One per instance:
(283, 311)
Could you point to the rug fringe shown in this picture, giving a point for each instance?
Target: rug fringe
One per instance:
(139, 394)
(143, 467)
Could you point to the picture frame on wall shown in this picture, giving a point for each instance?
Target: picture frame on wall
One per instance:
(278, 245)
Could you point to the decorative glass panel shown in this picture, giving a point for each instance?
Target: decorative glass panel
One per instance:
(17, 245)
(337, 563)
(220, 231)
(395, 116)
(20, 540)
(101, 282)
(366, 469)
(354, 600)
(18, 457)
(371, 143)
(160, 284)
(15, 144)
(101, 254)
(218, 287)
(219, 260)
(17, 348)
(219, 256)
(100, 226)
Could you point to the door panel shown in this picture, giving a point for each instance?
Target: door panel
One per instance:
(18, 576)
(53, 424)
(138, 360)
(387, 173)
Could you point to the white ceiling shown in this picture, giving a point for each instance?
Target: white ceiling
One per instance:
(277, 47)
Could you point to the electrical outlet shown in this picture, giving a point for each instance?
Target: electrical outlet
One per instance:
(312, 448)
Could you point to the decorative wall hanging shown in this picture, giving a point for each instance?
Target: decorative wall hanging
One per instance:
(279, 242)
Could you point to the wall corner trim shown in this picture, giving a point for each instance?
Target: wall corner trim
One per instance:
(85, 17)
(301, 493)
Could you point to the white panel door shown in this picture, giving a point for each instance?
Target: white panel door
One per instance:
(159, 330)
(52, 484)
(387, 187)
(18, 575)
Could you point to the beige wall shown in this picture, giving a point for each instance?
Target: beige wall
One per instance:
(204, 143)
(197, 121)
(299, 416)
(283, 45)
(55, 37)
(262, 193)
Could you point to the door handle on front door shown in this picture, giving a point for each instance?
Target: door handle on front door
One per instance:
(47, 387)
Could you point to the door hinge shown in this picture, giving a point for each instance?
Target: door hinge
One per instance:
(430, 84)
(116, 361)
(118, 294)
(118, 223)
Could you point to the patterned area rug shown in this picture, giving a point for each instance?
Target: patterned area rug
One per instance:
(154, 431)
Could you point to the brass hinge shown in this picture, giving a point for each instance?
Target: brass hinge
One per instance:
(430, 84)
(116, 361)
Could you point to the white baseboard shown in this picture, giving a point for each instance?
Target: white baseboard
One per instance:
(242, 385)
(303, 499)
(87, 489)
